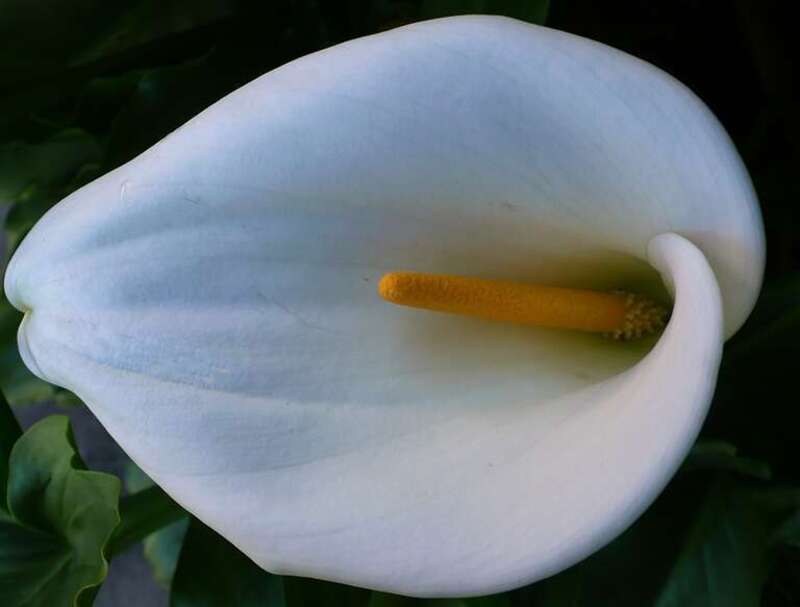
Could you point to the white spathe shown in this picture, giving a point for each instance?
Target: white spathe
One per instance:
(214, 303)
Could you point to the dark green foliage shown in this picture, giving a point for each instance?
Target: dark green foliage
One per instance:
(55, 522)
(211, 572)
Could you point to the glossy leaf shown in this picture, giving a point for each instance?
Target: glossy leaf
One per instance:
(59, 521)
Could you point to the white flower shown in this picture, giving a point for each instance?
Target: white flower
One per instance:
(214, 303)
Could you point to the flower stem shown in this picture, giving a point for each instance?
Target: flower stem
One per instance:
(142, 513)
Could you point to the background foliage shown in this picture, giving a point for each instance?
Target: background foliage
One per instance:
(86, 85)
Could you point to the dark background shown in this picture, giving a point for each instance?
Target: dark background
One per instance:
(124, 74)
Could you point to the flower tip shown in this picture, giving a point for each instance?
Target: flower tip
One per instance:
(391, 287)
(643, 317)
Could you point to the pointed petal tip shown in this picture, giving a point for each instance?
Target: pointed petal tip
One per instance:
(25, 350)
(10, 285)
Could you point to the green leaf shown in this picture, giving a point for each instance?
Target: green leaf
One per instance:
(9, 433)
(59, 521)
(534, 11)
(135, 478)
(212, 572)
(726, 554)
(161, 548)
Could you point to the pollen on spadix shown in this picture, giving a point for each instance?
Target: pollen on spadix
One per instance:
(617, 315)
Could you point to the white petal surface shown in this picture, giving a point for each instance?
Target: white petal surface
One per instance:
(214, 303)
(426, 497)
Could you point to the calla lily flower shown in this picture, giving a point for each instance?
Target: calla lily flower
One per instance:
(214, 303)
